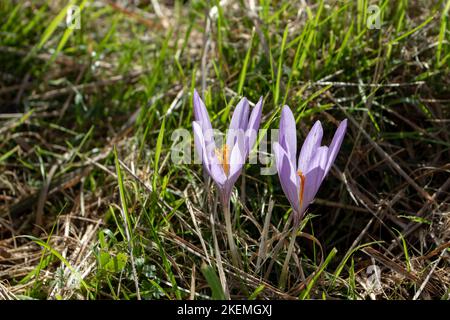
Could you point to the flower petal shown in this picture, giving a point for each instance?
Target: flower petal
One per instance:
(288, 134)
(217, 173)
(253, 125)
(209, 161)
(239, 121)
(310, 146)
(199, 139)
(237, 160)
(287, 175)
(335, 145)
(236, 137)
(200, 112)
(314, 177)
(202, 117)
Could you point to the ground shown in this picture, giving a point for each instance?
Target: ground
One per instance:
(92, 205)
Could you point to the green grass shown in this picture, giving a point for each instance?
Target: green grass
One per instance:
(93, 207)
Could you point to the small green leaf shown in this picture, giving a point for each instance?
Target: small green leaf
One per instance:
(214, 282)
(103, 259)
(117, 263)
(257, 291)
(415, 219)
(305, 293)
(159, 143)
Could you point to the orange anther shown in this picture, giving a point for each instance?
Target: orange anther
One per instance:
(302, 185)
(224, 158)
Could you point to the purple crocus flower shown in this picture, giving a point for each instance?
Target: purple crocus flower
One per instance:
(224, 164)
(301, 181)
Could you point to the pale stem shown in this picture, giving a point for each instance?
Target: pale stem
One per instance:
(274, 254)
(285, 269)
(229, 230)
(223, 280)
(264, 234)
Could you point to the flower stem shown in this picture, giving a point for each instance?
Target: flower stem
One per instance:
(222, 278)
(229, 230)
(285, 269)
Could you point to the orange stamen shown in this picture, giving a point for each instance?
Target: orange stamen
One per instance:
(224, 158)
(302, 185)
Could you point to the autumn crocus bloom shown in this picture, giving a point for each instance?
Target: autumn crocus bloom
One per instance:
(224, 164)
(301, 180)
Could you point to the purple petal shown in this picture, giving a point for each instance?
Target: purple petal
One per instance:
(335, 145)
(198, 139)
(319, 159)
(199, 142)
(311, 187)
(209, 161)
(200, 112)
(237, 159)
(287, 175)
(239, 120)
(202, 117)
(216, 168)
(310, 146)
(288, 134)
(217, 172)
(236, 137)
(253, 125)
(314, 177)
